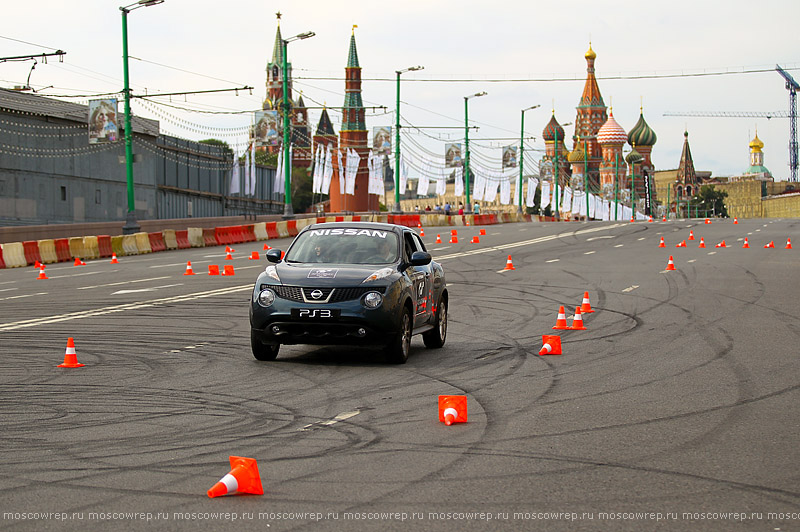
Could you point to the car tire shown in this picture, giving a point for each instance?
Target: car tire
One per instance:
(435, 338)
(399, 347)
(262, 351)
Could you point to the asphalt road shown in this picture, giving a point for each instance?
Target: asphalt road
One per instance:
(676, 410)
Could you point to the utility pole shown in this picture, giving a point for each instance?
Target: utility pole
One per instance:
(396, 208)
(466, 140)
(521, 156)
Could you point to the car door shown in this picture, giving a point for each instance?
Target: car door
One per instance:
(421, 279)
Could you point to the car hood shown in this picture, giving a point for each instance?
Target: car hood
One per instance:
(328, 274)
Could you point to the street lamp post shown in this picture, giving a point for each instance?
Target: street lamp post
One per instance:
(396, 208)
(288, 212)
(466, 140)
(521, 156)
(131, 225)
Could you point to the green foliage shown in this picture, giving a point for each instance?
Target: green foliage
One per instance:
(217, 142)
(710, 201)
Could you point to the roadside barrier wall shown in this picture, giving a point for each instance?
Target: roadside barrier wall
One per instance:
(14, 255)
(260, 230)
(104, 243)
(156, 242)
(2, 262)
(31, 250)
(47, 249)
(182, 239)
(170, 239)
(62, 250)
(195, 235)
(142, 243)
(76, 250)
(91, 247)
(129, 245)
(116, 245)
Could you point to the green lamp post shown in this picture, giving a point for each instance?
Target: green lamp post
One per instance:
(466, 140)
(521, 156)
(396, 208)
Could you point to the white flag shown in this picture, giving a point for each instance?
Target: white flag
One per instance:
(459, 185)
(490, 192)
(505, 191)
(341, 171)
(247, 173)
(545, 199)
(253, 169)
(441, 183)
(480, 186)
(277, 185)
(578, 203)
(532, 184)
(327, 171)
(352, 171)
(234, 188)
(316, 180)
(566, 204)
(424, 182)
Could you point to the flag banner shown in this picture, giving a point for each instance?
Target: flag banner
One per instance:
(265, 132)
(277, 185)
(352, 172)
(566, 202)
(342, 170)
(247, 173)
(424, 182)
(578, 202)
(327, 171)
(545, 200)
(403, 175)
(626, 212)
(103, 121)
(452, 155)
(530, 200)
(382, 140)
(441, 183)
(375, 165)
(480, 186)
(509, 157)
(253, 169)
(316, 176)
(490, 192)
(459, 184)
(505, 191)
(235, 186)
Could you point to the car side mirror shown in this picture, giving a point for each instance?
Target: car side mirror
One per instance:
(274, 255)
(420, 258)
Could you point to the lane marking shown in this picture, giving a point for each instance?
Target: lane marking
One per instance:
(599, 237)
(693, 260)
(22, 324)
(7, 289)
(631, 288)
(21, 296)
(712, 253)
(619, 245)
(178, 264)
(643, 238)
(122, 282)
(589, 252)
(152, 289)
(327, 423)
(553, 260)
(503, 271)
(80, 274)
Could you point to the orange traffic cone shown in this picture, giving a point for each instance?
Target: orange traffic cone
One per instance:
(577, 321)
(475, 240)
(438, 239)
(664, 219)
(189, 270)
(735, 220)
(561, 320)
(454, 232)
(788, 243)
(632, 220)
(702, 243)
(114, 259)
(586, 307)
(466, 222)
(267, 247)
(770, 245)
(70, 358)
(421, 231)
(254, 256)
(670, 265)
(746, 244)
(681, 244)
(721, 245)
(650, 219)
(454, 239)
(228, 256)
(79, 262)
(452, 409)
(42, 275)
(551, 345)
(509, 264)
(228, 270)
(708, 221)
(37, 264)
(213, 269)
(691, 235)
(483, 232)
(243, 478)
(662, 244)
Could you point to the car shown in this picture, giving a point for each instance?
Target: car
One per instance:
(350, 283)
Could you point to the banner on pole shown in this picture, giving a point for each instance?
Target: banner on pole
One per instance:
(452, 155)
(103, 121)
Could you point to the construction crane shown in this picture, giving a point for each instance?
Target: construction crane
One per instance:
(791, 86)
(731, 114)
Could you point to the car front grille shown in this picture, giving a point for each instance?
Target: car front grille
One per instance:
(329, 295)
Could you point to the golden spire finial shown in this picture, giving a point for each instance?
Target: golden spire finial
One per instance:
(354, 29)
(278, 16)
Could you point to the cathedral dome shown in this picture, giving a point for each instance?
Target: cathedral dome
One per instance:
(553, 127)
(611, 132)
(590, 53)
(641, 134)
(577, 155)
(634, 157)
(756, 144)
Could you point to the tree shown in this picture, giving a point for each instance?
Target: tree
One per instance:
(710, 200)
(217, 142)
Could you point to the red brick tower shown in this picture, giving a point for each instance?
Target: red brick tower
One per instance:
(590, 118)
(353, 135)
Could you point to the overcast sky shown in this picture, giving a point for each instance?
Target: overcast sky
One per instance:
(483, 42)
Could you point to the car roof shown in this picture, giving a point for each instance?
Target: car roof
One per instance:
(359, 225)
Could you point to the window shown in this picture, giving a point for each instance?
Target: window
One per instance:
(63, 193)
(97, 196)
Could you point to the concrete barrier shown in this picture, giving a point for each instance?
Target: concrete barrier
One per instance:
(283, 229)
(261, 231)
(104, 243)
(76, 250)
(196, 237)
(116, 245)
(14, 255)
(31, 250)
(91, 247)
(156, 242)
(305, 222)
(2, 262)
(47, 249)
(143, 243)
(62, 250)
(170, 239)
(129, 246)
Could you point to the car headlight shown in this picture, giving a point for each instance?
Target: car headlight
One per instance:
(272, 271)
(373, 300)
(266, 297)
(380, 274)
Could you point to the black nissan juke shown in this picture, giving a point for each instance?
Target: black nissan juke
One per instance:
(350, 283)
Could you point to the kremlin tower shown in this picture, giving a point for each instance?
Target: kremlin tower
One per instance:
(611, 137)
(642, 139)
(757, 167)
(590, 118)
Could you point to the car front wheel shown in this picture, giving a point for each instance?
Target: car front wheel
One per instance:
(399, 347)
(435, 337)
(261, 350)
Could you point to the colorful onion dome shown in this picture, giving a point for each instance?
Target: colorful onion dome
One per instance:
(553, 127)
(756, 144)
(611, 132)
(577, 155)
(634, 157)
(590, 53)
(641, 134)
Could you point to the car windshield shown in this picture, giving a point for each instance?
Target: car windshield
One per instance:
(344, 245)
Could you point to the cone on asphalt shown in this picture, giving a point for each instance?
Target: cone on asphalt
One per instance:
(746, 244)
(421, 231)
(228, 255)
(452, 409)
(561, 320)
(475, 240)
(228, 270)
(254, 256)
(788, 243)
(266, 247)
(454, 239)
(213, 269)
(454, 232)
(770, 245)
(664, 219)
(243, 478)
(670, 265)
(681, 244)
(650, 219)
(114, 259)
(42, 275)
(483, 232)
(189, 270)
(79, 262)
(691, 235)
(577, 321)
(37, 264)
(438, 239)
(662, 244)
(721, 245)
(586, 307)
(735, 220)
(702, 243)
(509, 264)
(708, 221)
(70, 358)
(632, 220)
(551, 345)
